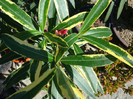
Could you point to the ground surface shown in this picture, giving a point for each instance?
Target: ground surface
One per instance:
(119, 94)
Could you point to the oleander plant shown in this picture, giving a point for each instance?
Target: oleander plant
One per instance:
(57, 63)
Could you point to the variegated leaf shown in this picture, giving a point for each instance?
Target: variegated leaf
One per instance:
(94, 14)
(11, 9)
(26, 49)
(112, 49)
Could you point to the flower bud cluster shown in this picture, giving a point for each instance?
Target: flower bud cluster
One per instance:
(61, 32)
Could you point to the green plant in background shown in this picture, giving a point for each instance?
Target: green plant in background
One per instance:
(120, 8)
(56, 58)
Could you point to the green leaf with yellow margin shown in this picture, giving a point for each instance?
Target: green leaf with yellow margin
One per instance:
(43, 44)
(10, 22)
(26, 49)
(61, 8)
(94, 14)
(70, 39)
(95, 60)
(42, 13)
(31, 90)
(45, 67)
(99, 32)
(35, 70)
(79, 80)
(62, 45)
(52, 10)
(71, 22)
(78, 92)
(23, 36)
(92, 77)
(60, 51)
(17, 14)
(112, 49)
(77, 49)
(27, 34)
(63, 83)
(53, 38)
(89, 73)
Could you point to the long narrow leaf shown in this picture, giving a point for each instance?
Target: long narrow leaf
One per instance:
(89, 73)
(100, 32)
(53, 38)
(27, 34)
(52, 10)
(26, 49)
(11, 9)
(71, 39)
(62, 9)
(94, 14)
(31, 90)
(121, 6)
(78, 93)
(109, 11)
(71, 22)
(45, 68)
(92, 77)
(60, 51)
(55, 92)
(52, 16)
(11, 23)
(35, 70)
(73, 3)
(43, 44)
(79, 80)
(42, 13)
(63, 83)
(96, 60)
(77, 50)
(111, 49)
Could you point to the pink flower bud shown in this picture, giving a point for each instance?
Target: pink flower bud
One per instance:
(56, 31)
(60, 33)
(63, 32)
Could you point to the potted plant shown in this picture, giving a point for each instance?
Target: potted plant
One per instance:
(56, 58)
